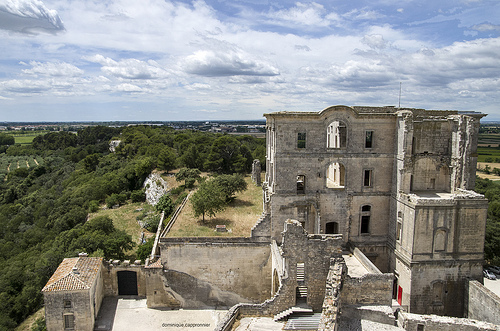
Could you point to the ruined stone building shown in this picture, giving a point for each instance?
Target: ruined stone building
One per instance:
(396, 183)
(361, 205)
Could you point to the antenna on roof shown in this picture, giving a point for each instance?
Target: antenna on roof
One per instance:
(399, 106)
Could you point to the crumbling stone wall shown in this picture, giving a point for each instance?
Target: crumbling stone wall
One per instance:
(414, 322)
(482, 304)
(331, 303)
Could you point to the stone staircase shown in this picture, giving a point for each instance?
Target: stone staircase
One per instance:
(303, 321)
(291, 311)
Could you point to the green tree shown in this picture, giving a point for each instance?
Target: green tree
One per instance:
(188, 175)
(229, 185)
(166, 205)
(208, 199)
(167, 159)
(225, 155)
(6, 139)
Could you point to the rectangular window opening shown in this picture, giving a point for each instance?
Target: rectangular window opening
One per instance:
(67, 303)
(398, 231)
(367, 179)
(369, 139)
(365, 224)
(301, 140)
(69, 322)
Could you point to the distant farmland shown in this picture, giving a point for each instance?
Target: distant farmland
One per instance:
(9, 163)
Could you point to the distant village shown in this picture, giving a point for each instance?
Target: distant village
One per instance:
(247, 127)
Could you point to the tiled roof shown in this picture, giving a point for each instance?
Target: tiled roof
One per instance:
(67, 279)
(156, 264)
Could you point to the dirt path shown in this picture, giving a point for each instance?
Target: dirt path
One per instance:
(27, 164)
(36, 162)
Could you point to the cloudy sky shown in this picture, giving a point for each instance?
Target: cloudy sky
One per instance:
(74, 60)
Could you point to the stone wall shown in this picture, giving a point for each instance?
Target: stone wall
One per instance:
(331, 303)
(414, 322)
(482, 304)
(110, 277)
(370, 289)
(224, 270)
(81, 308)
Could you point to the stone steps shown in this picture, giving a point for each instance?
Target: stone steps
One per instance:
(291, 311)
(303, 321)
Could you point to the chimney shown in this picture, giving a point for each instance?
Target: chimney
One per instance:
(75, 271)
(83, 254)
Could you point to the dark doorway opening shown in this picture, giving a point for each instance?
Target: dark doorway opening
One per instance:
(127, 282)
(332, 228)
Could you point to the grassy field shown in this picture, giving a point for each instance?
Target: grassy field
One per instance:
(124, 218)
(28, 323)
(26, 139)
(239, 217)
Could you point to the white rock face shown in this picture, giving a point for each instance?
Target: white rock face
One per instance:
(155, 187)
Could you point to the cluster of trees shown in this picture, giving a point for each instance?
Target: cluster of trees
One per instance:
(491, 190)
(43, 209)
(215, 194)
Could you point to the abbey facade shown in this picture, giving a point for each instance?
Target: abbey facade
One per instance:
(395, 183)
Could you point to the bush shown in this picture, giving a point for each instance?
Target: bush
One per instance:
(138, 196)
(151, 223)
(177, 190)
(115, 199)
(93, 206)
(179, 199)
(144, 250)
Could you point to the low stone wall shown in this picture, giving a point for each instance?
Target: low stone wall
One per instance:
(370, 289)
(414, 322)
(482, 304)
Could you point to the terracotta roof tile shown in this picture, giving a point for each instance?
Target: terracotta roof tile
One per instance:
(65, 279)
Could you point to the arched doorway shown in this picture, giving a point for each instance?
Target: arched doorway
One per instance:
(127, 282)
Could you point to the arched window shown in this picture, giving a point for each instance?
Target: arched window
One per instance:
(336, 135)
(365, 219)
(438, 291)
(440, 240)
(335, 177)
(332, 228)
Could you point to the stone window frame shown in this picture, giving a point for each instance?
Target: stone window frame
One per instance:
(370, 177)
(369, 142)
(365, 217)
(342, 179)
(343, 137)
(442, 287)
(301, 140)
(69, 321)
(67, 303)
(301, 184)
(438, 231)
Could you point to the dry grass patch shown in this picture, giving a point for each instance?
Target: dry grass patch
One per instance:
(124, 218)
(27, 324)
(239, 217)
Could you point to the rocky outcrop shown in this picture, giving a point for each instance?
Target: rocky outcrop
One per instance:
(154, 187)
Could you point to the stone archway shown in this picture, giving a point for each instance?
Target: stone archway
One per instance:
(127, 282)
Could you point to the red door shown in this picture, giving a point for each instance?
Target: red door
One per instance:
(400, 294)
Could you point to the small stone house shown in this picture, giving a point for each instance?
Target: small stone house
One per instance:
(73, 294)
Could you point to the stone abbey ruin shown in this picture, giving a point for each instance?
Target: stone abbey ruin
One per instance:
(365, 209)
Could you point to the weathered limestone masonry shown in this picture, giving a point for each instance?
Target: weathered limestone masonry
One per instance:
(216, 271)
(256, 171)
(110, 276)
(482, 304)
(331, 304)
(395, 183)
(414, 322)
(73, 294)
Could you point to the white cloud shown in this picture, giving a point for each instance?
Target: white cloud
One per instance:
(375, 41)
(486, 27)
(53, 69)
(28, 16)
(226, 63)
(129, 68)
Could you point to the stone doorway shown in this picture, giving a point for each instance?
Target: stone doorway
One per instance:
(127, 282)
